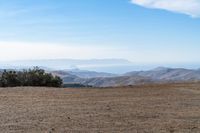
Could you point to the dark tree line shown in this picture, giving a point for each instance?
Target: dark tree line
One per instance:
(31, 77)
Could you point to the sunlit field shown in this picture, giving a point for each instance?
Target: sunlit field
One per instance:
(151, 108)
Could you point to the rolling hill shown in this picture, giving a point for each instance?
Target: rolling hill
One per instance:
(169, 74)
(158, 75)
(100, 79)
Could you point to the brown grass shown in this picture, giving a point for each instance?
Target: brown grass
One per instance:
(167, 108)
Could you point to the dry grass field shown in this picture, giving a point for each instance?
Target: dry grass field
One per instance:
(172, 108)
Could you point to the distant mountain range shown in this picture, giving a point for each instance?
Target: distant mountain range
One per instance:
(83, 73)
(99, 65)
(169, 74)
(99, 72)
(158, 75)
(101, 79)
(116, 66)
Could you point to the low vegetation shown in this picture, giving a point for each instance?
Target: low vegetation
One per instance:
(31, 77)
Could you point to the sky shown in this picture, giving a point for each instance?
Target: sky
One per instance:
(142, 31)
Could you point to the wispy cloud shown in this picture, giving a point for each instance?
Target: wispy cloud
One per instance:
(188, 7)
(26, 51)
(10, 11)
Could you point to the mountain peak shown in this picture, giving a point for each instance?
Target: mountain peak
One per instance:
(161, 68)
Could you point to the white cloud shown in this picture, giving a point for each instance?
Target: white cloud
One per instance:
(188, 7)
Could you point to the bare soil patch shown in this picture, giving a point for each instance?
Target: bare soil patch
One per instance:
(168, 108)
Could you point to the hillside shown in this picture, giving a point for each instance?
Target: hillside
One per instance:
(116, 81)
(158, 75)
(101, 79)
(169, 74)
(167, 108)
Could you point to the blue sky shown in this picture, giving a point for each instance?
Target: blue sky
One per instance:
(142, 31)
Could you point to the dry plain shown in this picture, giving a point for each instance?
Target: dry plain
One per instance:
(166, 108)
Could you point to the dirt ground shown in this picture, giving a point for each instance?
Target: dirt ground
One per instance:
(168, 108)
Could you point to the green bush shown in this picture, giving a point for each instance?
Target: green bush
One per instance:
(31, 77)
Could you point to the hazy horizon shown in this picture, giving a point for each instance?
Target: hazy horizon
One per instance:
(115, 66)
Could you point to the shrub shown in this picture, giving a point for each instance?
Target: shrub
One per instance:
(31, 77)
